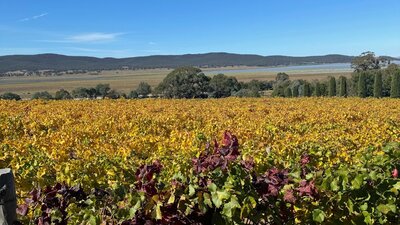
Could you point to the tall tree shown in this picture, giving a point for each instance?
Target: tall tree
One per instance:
(42, 95)
(362, 85)
(80, 92)
(62, 94)
(387, 76)
(288, 92)
(323, 89)
(10, 96)
(342, 86)
(367, 61)
(332, 87)
(306, 90)
(143, 89)
(395, 86)
(281, 83)
(317, 89)
(184, 82)
(133, 94)
(295, 91)
(92, 93)
(280, 77)
(223, 86)
(378, 85)
(103, 89)
(279, 91)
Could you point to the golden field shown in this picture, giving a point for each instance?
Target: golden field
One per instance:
(100, 143)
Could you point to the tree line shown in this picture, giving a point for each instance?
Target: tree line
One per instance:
(372, 77)
(183, 82)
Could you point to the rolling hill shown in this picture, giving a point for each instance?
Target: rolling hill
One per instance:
(62, 62)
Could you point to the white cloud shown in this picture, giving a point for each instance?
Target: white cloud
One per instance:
(93, 37)
(97, 50)
(33, 17)
(152, 43)
(96, 37)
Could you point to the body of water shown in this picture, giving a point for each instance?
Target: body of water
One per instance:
(333, 67)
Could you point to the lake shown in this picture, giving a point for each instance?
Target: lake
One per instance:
(332, 67)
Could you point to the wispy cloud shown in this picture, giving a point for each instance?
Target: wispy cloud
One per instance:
(34, 17)
(97, 50)
(93, 37)
(96, 37)
(152, 43)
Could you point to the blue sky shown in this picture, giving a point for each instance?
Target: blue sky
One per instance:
(123, 28)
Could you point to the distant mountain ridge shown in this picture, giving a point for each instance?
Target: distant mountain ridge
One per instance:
(62, 62)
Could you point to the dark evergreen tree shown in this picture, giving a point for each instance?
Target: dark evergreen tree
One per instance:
(395, 87)
(342, 86)
(288, 92)
(378, 85)
(332, 87)
(362, 85)
(295, 91)
(279, 91)
(317, 89)
(323, 89)
(306, 90)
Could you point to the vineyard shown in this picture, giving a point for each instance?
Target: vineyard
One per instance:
(214, 161)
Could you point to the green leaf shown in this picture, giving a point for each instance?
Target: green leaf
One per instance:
(89, 201)
(357, 182)
(309, 176)
(192, 191)
(230, 207)
(295, 175)
(318, 215)
(334, 185)
(171, 199)
(397, 185)
(218, 197)
(373, 176)
(396, 188)
(364, 207)
(350, 206)
(345, 181)
(94, 220)
(207, 199)
(367, 217)
(158, 211)
(132, 211)
(249, 203)
(212, 187)
(385, 209)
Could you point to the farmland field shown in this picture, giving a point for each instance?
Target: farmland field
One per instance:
(127, 80)
(101, 143)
